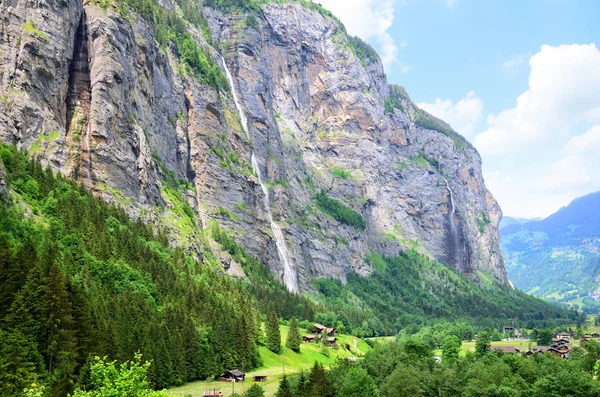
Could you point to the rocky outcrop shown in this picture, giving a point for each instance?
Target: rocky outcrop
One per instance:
(91, 93)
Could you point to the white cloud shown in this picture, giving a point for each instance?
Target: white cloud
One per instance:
(462, 116)
(370, 20)
(577, 169)
(563, 90)
(543, 153)
(512, 65)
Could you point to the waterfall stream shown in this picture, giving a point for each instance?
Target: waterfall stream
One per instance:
(454, 235)
(290, 277)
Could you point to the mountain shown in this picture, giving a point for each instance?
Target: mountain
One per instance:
(508, 221)
(558, 258)
(269, 121)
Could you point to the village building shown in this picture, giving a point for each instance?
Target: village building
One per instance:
(508, 329)
(212, 393)
(321, 329)
(506, 349)
(259, 378)
(235, 375)
(309, 338)
(331, 340)
(564, 335)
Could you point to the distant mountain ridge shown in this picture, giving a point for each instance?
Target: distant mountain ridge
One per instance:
(509, 221)
(558, 258)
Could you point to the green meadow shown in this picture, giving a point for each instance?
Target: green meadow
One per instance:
(274, 365)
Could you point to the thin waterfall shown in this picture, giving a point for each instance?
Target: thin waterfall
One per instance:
(290, 277)
(454, 235)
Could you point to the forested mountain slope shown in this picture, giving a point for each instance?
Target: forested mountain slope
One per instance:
(558, 258)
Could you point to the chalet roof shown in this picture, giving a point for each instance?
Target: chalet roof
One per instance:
(319, 326)
(212, 393)
(330, 330)
(506, 349)
(331, 339)
(541, 348)
(235, 372)
(564, 334)
(309, 336)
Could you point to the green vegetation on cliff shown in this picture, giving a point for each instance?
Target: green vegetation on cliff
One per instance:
(170, 27)
(411, 289)
(338, 211)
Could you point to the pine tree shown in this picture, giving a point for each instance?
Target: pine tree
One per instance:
(294, 339)
(61, 352)
(255, 391)
(273, 334)
(285, 389)
(303, 387)
(17, 370)
(318, 383)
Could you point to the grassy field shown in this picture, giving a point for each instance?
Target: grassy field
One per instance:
(274, 364)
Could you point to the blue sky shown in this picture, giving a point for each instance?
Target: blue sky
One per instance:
(520, 79)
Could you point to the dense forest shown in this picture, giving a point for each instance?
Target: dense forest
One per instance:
(407, 367)
(80, 278)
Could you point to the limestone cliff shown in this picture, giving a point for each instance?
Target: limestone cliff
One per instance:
(89, 90)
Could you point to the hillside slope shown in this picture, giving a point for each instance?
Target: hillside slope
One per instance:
(292, 141)
(559, 257)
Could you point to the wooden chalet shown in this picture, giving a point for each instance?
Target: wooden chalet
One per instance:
(564, 335)
(562, 353)
(321, 329)
(259, 378)
(506, 349)
(559, 342)
(309, 338)
(212, 393)
(331, 340)
(507, 328)
(235, 375)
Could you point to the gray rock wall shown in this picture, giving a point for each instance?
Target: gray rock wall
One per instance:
(95, 98)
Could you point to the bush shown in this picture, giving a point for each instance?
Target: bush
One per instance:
(339, 211)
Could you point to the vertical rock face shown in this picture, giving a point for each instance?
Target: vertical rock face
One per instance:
(95, 98)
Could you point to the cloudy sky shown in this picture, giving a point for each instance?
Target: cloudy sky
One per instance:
(519, 78)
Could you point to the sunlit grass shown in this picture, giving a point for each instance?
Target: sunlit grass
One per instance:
(275, 364)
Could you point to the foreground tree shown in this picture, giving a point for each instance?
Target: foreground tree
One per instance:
(482, 346)
(358, 383)
(293, 339)
(285, 390)
(273, 334)
(255, 391)
(128, 380)
(318, 383)
(450, 349)
(544, 337)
